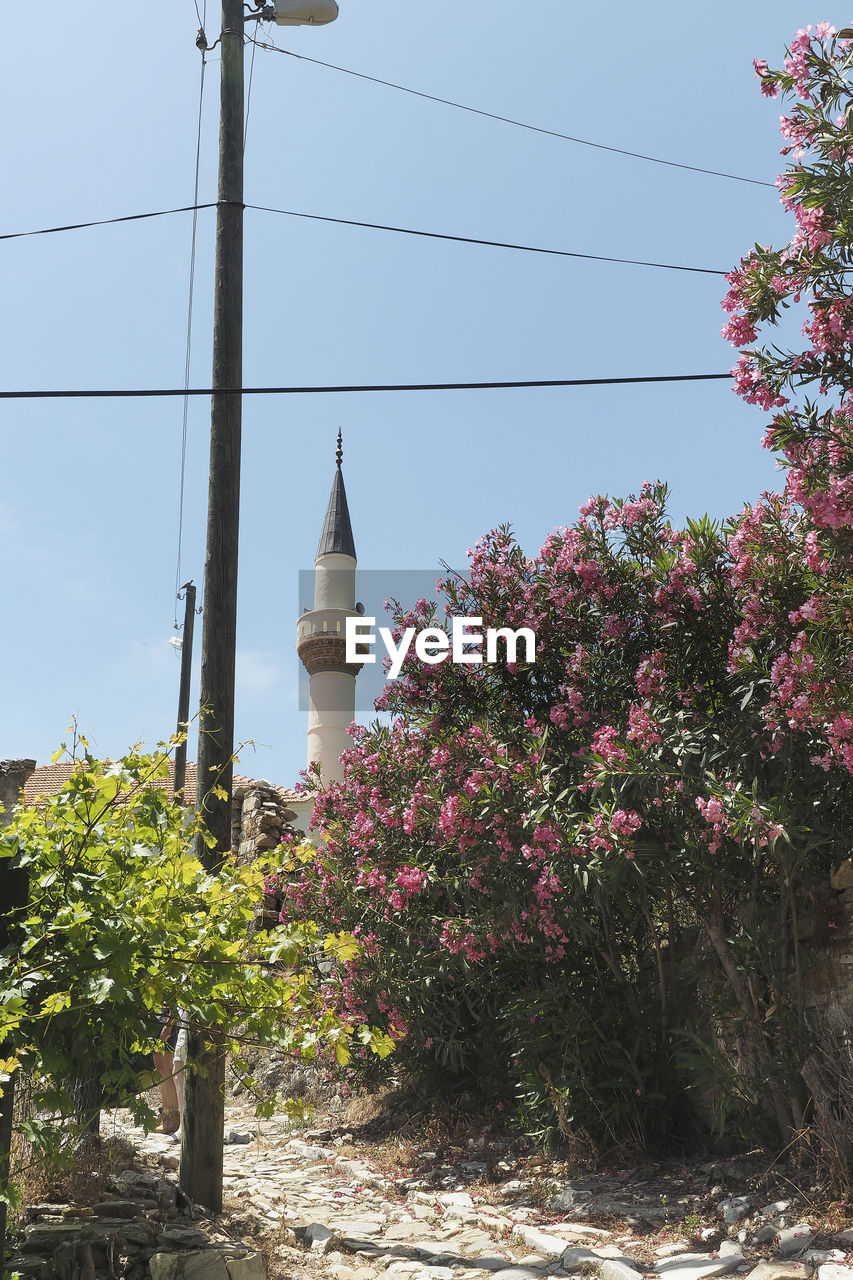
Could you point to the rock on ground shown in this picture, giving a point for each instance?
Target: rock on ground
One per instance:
(314, 1207)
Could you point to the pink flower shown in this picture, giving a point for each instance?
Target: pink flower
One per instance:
(739, 331)
(751, 386)
(605, 743)
(625, 822)
(649, 675)
(450, 815)
(769, 87)
(411, 879)
(642, 728)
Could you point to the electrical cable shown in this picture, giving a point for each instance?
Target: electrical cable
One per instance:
(106, 222)
(188, 358)
(519, 124)
(494, 244)
(380, 226)
(248, 94)
(147, 393)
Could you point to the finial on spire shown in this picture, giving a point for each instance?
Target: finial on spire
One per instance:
(336, 538)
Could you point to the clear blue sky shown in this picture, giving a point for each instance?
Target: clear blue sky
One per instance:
(104, 104)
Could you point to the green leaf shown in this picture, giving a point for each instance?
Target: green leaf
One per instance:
(56, 1002)
(101, 989)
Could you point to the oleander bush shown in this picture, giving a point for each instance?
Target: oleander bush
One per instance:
(578, 882)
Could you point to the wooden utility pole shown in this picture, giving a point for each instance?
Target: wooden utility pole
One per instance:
(184, 692)
(204, 1098)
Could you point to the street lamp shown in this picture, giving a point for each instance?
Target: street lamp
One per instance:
(300, 13)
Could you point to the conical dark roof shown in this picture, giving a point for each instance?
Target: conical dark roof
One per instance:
(337, 530)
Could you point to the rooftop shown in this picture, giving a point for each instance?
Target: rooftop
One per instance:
(47, 779)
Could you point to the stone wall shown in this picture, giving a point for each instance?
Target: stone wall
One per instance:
(142, 1228)
(261, 815)
(13, 880)
(827, 937)
(13, 777)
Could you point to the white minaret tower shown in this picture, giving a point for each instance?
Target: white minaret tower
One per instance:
(320, 636)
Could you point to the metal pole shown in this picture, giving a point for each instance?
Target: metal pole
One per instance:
(204, 1099)
(184, 692)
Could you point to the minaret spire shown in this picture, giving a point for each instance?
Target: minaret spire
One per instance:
(336, 537)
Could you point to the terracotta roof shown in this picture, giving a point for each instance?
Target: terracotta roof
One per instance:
(47, 779)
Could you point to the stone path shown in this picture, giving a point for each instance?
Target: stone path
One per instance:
(317, 1208)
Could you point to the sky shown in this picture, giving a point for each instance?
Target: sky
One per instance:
(105, 113)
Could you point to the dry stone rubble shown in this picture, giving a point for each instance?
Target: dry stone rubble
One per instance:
(300, 1207)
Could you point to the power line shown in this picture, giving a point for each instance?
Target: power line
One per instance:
(519, 124)
(380, 226)
(249, 96)
(105, 222)
(146, 393)
(494, 244)
(189, 339)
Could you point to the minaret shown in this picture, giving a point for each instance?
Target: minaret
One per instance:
(320, 636)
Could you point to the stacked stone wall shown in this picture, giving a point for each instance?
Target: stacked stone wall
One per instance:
(13, 779)
(826, 935)
(261, 817)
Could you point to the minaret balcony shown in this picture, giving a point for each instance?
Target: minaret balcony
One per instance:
(325, 651)
(323, 622)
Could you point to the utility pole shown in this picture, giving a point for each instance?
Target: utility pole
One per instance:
(204, 1088)
(203, 1117)
(184, 692)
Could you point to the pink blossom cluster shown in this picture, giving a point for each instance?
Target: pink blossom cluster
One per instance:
(606, 742)
(812, 231)
(714, 814)
(624, 822)
(799, 133)
(570, 712)
(459, 940)
(820, 477)
(752, 386)
(797, 60)
(769, 87)
(742, 282)
(813, 266)
(642, 726)
(765, 831)
(649, 676)
(840, 739)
